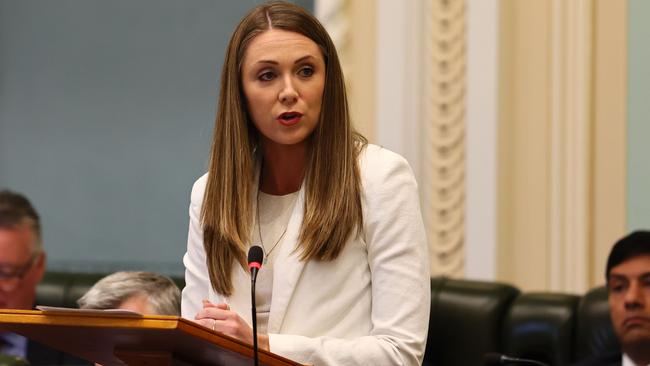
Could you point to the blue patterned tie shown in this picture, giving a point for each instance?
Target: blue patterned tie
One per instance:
(12, 344)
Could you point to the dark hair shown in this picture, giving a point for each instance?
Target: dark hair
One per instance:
(632, 245)
(16, 210)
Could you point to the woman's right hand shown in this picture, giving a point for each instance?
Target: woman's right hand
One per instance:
(220, 318)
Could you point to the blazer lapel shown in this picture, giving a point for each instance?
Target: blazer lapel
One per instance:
(287, 267)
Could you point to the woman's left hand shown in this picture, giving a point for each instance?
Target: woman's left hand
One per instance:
(220, 318)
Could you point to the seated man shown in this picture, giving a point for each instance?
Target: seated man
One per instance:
(142, 292)
(628, 284)
(628, 281)
(22, 263)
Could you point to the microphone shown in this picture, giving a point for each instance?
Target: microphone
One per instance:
(497, 359)
(255, 257)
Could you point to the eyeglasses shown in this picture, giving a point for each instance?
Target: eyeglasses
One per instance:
(16, 273)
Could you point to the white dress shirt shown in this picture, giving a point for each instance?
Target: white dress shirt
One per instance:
(627, 361)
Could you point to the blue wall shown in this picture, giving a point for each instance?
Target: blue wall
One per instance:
(106, 113)
(638, 168)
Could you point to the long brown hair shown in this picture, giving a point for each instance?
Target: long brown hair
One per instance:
(332, 182)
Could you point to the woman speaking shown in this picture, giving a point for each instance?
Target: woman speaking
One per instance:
(346, 276)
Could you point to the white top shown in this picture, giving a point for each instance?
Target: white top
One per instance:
(274, 213)
(628, 362)
(369, 306)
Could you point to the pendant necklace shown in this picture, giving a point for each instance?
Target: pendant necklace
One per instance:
(259, 232)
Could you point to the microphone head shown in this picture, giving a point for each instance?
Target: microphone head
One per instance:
(255, 256)
(493, 359)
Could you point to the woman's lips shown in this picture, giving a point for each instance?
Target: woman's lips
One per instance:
(289, 118)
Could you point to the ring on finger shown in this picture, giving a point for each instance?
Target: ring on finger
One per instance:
(214, 325)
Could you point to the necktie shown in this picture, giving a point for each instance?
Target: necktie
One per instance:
(12, 344)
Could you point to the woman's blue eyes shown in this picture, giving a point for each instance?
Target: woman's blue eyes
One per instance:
(306, 71)
(267, 76)
(270, 75)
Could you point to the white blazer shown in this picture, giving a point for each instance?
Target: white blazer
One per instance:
(368, 307)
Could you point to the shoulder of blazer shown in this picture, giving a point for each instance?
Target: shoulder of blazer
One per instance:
(374, 154)
(198, 190)
(379, 162)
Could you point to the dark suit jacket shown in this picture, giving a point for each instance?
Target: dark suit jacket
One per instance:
(41, 355)
(609, 359)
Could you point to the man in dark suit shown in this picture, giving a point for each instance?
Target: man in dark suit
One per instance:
(628, 284)
(22, 263)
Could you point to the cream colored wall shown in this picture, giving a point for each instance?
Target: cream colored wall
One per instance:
(610, 104)
(352, 26)
(523, 152)
(360, 59)
(561, 137)
(562, 176)
(481, 126)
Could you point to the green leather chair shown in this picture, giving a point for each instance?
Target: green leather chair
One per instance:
(468, 319)
(471, 318)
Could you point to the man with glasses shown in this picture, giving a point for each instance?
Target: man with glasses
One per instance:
(22, 263)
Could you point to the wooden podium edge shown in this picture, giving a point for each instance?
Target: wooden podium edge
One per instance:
(80, 319)
(231, 343)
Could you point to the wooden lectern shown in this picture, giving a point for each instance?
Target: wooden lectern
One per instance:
(131, 339)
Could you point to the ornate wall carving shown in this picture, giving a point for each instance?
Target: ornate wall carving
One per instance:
(432, 79)
(443, 148)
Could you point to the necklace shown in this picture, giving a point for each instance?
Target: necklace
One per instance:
(259, 232)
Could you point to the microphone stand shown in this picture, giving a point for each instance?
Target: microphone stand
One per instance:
(255, 258)
(254, 317)
(497, 359)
